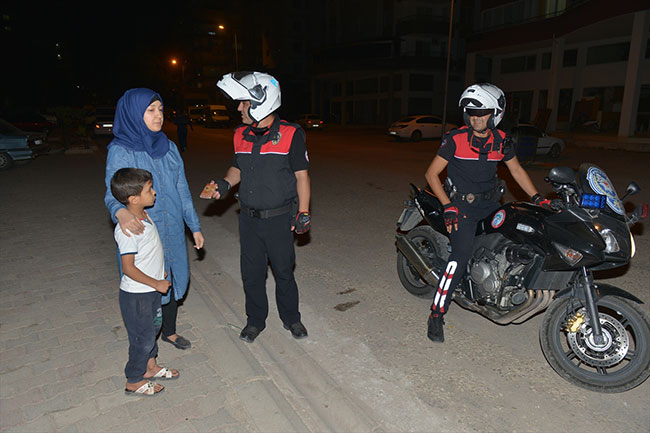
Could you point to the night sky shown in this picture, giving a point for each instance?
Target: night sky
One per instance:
(104, 49)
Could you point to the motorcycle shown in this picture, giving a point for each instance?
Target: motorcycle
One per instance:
(527, 259)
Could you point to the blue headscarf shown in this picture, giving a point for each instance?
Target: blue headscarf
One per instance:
(129, 128)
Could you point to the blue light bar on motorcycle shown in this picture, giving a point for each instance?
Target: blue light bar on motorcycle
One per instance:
(593, 201)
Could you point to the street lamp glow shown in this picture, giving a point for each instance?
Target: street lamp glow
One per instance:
(174, 61)
(222, 27)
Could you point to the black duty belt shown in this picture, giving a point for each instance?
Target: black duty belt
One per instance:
(471, 197)
(266, 213)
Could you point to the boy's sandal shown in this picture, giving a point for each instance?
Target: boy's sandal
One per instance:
(165, 374)
(148, 389)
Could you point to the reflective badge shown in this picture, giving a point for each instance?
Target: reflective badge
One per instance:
(498, 219)
(600, 183)
(276, 139)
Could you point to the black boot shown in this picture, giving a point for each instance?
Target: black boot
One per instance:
(435, 329)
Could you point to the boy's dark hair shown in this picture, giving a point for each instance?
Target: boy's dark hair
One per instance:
(127, 182)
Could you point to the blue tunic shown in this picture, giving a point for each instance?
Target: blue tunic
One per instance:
(173, 208)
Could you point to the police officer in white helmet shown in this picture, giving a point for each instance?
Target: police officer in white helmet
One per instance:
(471, 154)
(271, 165)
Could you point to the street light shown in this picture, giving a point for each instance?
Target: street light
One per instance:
(175, 62)
(222, 27)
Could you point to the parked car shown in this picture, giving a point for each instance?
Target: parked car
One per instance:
(30, 122)
(310, 121)
(104, 117)
(527, 134)
(419, 127)
(17, 145)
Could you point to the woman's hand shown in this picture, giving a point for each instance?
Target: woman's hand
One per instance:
(127, 220)
(198, 240)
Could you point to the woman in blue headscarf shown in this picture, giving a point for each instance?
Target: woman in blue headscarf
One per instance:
(139, 142)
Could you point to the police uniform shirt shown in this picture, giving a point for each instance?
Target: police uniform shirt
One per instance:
(268, 161)
(472, 167)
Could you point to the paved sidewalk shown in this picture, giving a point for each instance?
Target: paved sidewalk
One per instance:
(63, 344)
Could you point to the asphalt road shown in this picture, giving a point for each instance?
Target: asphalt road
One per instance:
(485, 377)
(368, 360)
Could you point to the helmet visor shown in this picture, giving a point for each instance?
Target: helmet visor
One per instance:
(248, 81)
(479, 112)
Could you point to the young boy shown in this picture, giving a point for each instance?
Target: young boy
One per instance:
(142, 283)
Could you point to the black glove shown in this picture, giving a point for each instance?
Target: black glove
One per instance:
(451, 217)
(223, 186)
(541, 201)
(303, 222)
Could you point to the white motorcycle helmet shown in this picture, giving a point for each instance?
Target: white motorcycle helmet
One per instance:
(483, 96)
(262, 90)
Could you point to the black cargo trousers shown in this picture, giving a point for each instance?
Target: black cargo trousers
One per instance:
(264, 240)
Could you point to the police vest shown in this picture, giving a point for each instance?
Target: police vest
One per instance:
(267, 180)
(464, 150)
(470, 168)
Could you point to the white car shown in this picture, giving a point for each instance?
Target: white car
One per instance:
(526, 134)
(419, 127)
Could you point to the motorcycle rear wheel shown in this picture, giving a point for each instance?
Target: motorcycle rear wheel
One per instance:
(433, 246)
(621, 364)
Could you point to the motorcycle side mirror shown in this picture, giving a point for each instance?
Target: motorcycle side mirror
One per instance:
(562, 175)
(632, 189)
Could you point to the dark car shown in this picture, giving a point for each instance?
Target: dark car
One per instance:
(103, 121)
(29, 122)
(18, 145)
(527, 136)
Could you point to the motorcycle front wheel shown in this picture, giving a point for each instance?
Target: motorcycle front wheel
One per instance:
(621, 363)
(432, 246)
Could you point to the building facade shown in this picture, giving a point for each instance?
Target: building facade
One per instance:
(381, 60)
(566, 65)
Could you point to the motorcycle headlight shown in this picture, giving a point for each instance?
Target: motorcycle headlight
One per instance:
(632, 245)
(611, 244)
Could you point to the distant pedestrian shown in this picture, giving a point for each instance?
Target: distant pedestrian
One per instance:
(182, 120)
(142, 283)
(272, 165)
(139, 142)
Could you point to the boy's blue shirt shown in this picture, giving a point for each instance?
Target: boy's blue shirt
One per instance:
(173, 208)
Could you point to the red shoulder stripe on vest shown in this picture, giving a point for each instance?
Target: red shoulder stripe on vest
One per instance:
(283, 146)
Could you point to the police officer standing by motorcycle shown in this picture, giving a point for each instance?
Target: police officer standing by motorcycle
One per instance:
(472, 191)
(271, 165)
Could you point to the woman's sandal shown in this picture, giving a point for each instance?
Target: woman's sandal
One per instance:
(164, 374)
(148, 389)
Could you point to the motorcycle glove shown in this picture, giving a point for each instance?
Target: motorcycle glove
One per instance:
(223, 186)
(451, 217)
(303, 222)
(541, 201)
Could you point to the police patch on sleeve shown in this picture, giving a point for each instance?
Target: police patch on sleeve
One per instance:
(306, 156)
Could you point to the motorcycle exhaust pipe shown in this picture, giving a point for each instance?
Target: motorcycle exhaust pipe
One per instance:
(420, 263)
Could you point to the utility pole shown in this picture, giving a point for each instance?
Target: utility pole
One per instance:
(444, 107)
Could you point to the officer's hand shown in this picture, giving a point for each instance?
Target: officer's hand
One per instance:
(303, 223)
(216, 189)
(451, 217)
(541, 201)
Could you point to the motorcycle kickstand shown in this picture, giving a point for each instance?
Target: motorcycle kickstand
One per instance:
(597, 330)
